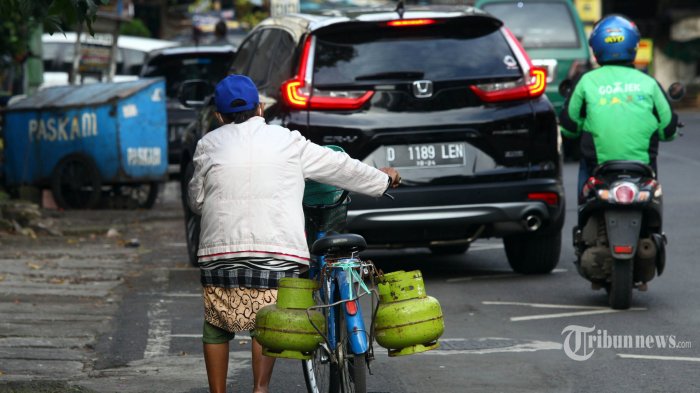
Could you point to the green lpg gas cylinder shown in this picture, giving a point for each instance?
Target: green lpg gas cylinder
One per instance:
(408, 321)
(285, 329)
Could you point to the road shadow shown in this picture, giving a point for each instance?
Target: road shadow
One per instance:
(484, 261)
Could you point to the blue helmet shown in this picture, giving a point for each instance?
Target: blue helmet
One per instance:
(614, 39)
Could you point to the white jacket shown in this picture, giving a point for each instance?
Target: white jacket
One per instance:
(248, 186)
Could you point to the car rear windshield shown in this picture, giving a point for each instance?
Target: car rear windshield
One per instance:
(177, 69)
(538, 25)
(439, 52)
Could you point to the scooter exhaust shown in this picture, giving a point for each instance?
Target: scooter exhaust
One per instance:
(532, 222)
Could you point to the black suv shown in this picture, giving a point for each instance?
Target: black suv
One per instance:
(177, 65)
(446, 95)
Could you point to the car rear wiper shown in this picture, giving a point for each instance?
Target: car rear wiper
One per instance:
(391, 75)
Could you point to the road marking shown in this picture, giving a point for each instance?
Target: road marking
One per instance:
(543, 305)
(485, 247)
(183, 294)
(571, 314)
(589, 310)
(159, 328)
(654, 357)
(239, 336)
(532, 346)
(506, 274)
(177, 244)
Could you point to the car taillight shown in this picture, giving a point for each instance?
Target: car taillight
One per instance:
(297, 92)
(550, 198)
(625, 193)
(333, 99)
(550, 65)
(531, 85)
(410, 22)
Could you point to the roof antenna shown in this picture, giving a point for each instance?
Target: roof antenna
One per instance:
(399, 8)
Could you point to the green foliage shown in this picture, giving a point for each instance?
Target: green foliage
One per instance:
(69, 13)
(19, 17)
(135, 27)
(249, 15)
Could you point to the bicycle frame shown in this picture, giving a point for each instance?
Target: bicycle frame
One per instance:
(339, 282)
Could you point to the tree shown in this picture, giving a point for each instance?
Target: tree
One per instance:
(20, 17)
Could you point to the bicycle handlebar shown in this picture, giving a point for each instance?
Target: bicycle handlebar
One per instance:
(340, 201)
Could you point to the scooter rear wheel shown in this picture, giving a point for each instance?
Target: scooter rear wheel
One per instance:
(621, 285)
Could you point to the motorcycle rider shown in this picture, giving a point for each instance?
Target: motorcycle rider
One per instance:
(619, 112)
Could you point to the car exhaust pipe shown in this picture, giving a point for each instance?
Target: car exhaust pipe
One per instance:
(532, 222)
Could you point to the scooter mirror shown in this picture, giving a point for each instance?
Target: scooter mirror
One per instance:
(565, 88)
(676, 91)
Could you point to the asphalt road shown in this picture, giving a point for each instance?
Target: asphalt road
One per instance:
(504, 332)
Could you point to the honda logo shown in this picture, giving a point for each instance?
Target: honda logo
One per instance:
(423, 89)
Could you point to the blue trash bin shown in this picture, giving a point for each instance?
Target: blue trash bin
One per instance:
(78, 139)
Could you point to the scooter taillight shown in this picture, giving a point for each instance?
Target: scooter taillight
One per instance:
(625, 193)
(590, 185)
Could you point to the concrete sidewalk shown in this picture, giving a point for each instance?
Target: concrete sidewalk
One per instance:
(60, 294)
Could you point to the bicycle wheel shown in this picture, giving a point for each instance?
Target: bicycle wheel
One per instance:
(317, 370)
(349, 375)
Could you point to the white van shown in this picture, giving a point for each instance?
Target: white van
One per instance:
(59, 52)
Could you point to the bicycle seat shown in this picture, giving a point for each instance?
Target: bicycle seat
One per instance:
(348, 242)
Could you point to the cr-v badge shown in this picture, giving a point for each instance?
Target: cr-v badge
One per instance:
(423, 89)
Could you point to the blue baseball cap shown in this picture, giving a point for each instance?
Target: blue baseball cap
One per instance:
(232, 88)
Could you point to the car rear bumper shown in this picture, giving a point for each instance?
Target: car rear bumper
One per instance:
(462, 213)
(450, 215)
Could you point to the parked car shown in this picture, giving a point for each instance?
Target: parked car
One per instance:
(446, 95)
(59, 52)
(176, 65)
(558, 43)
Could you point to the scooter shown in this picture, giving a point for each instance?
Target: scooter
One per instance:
(619, 240)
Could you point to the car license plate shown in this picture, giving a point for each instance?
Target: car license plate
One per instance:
(426, 155)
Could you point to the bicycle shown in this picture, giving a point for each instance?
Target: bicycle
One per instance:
(340, 363)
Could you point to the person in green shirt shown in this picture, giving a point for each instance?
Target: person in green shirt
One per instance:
(619, 112)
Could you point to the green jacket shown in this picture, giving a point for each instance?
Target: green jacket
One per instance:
(620, 113)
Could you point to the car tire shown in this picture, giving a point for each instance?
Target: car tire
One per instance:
(536, 253)
(453, 249)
